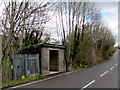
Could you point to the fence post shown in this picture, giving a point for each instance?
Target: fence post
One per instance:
(14, 69)
(38, 63)
(26, 63)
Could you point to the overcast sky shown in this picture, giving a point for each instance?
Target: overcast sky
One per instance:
(109, 11)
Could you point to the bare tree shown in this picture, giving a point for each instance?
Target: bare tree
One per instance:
(81, 28)
(20, 21)
(20, 17)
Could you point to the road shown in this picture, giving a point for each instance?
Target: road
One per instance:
(104, 75)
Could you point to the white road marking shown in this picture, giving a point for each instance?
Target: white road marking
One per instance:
(103, 74)
(37, 81)
(41, 80)
(116, 64)
(111, 68)
(114, 54)
(87, 85)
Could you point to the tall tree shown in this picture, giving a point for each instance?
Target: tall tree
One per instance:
(19, 21)
(81, 27)
(21, 18)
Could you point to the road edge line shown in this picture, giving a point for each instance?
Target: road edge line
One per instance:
(41, 80)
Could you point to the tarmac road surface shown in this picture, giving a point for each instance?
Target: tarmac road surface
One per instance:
(104, 75)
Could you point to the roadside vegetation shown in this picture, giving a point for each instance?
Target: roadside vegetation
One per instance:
(88, 41)
(78, 26)
(19, 81)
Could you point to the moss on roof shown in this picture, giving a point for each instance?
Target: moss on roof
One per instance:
(52, 45)
(36, 48)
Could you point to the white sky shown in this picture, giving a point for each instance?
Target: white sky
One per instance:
(109, 11)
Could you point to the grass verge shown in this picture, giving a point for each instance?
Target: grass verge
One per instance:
(20, 81)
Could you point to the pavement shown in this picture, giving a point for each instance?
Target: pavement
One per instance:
(104, 75)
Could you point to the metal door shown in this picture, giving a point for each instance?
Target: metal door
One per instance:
(17, 68)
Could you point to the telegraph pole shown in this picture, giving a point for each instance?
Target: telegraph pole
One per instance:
(0, 59)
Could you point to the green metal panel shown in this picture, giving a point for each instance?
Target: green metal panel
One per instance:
(52, 45)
